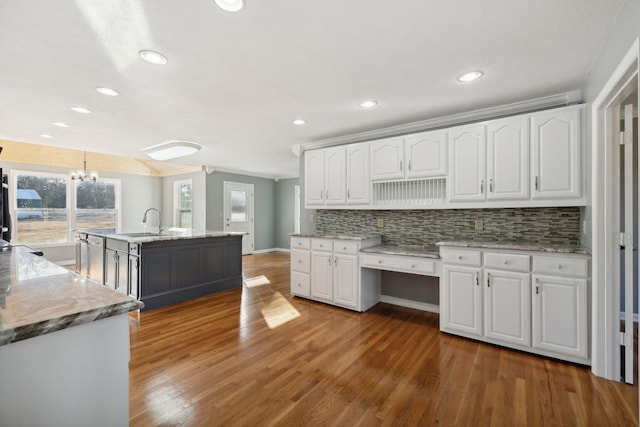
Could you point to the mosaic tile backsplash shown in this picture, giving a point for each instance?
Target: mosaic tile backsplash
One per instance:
(554, 226)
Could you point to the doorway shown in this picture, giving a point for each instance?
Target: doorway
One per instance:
(238, 212)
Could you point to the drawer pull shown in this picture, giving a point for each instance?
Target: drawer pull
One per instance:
(379, 261)
(506, 262)
(477, 280)
(299, 261)
(559, 266)
(459, 257)
(344, 248)
(488, 280)
(413, 266)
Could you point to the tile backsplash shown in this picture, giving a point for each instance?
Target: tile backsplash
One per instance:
(556, 226)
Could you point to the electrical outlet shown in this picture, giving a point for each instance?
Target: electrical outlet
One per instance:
(312, 218)
(380, 222)
(479, 225)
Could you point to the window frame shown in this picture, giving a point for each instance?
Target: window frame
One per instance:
(176, 200)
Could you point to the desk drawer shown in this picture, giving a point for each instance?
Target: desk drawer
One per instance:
(471, 258)
(348, 247)
(300, 284)
(322, 245)
(301, 261)
(300, 243)
(511, 262)
(413, 265)
(559, 265)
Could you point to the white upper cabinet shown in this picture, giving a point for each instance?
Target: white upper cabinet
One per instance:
(508, 159)
(426, 154)
(314, 177)
(555, 161)
(358, 184)
(335, 176)
(387, 159)
(468, 154)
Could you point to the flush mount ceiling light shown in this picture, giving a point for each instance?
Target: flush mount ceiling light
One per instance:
(299, 122)
(81, 174)
(81, 110)
(107, 91)
(470, 76)
(45, 135)
(172, 150)
(230, 5)
(153, 57)
(369, 103)
(60, 124)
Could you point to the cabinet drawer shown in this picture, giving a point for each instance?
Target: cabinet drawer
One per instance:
(301, 261)
(558, 265)
(300, 243)
(511, 262)
(300, 284)
(349, 247)
(413, 265)
(462, 257)
(322, 245)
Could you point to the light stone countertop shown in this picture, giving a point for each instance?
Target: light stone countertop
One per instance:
(416, 251)
(337, 236)
(520, 246)
(38, 297)
(170, 234)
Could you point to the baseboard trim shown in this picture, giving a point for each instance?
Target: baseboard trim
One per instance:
(424, 306)
(266, 251)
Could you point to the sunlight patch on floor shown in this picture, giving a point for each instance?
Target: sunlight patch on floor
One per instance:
(252, 282)
(278, 311)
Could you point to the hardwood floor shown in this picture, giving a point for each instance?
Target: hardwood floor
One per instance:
(260, 357)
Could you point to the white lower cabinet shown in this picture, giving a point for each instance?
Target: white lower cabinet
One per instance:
(527, 301)
(333, 274)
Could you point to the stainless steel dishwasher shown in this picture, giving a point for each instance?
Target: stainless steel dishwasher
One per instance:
(95, 268)
(82, 254)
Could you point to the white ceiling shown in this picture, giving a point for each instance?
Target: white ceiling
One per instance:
(235, 81)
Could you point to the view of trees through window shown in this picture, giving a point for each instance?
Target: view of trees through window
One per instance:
(43, 214)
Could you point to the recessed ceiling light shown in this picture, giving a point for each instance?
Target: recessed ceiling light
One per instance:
(60, 124)
(153, 57)
(230, 5)
(470, 76)
(368, 104)
(45, 135)
(81, 110)
(172, 150)
(107, 91)
(299, 122)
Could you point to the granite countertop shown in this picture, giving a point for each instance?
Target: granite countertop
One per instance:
(521, 246)
(338, 236)
(170, 234)
(417, 251)
(38, 297)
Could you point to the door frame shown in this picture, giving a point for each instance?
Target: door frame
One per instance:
(605, 305)
(248, 241)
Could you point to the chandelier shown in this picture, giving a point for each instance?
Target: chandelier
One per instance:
(82, 174)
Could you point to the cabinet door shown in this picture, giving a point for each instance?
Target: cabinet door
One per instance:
(314, 170)
(358, 174)
(345, 279)
(556, 154)
(468, 154)
(122, 284)
(335, 176)
(111, 268)
(461, 300)
(507, 306)
(387, 159)
(560, 315)
(322, 276)
(426, 154)
(134, 276)
(508, 159)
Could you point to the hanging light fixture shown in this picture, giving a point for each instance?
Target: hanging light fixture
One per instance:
(82, 174)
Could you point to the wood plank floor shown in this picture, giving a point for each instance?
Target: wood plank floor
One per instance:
(260, 357)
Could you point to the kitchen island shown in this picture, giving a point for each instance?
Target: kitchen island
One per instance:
(172, 266)
(64, 345)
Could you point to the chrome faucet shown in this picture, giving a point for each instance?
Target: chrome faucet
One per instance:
(144, 218)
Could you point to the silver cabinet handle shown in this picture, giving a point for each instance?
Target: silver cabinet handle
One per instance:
(491, 185)
(488, 280)
(335, 261)
(537, 185)
(482, 186)
(537, 286)
(400, 165)
(348, 194)
(409, 165)
(477, 280)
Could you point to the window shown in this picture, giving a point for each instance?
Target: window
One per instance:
(238, 206)
(49, 206)
(183, 203)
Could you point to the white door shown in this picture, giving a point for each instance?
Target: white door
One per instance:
(468, 157)
(426, 154)
(335, 176)
(387, 159)
(559, 314)
(345, 279)
(556, 154)
(238, 212)
(358, 174)
(508, 159)
(461, 300)
(314, 178)
(507, 306)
